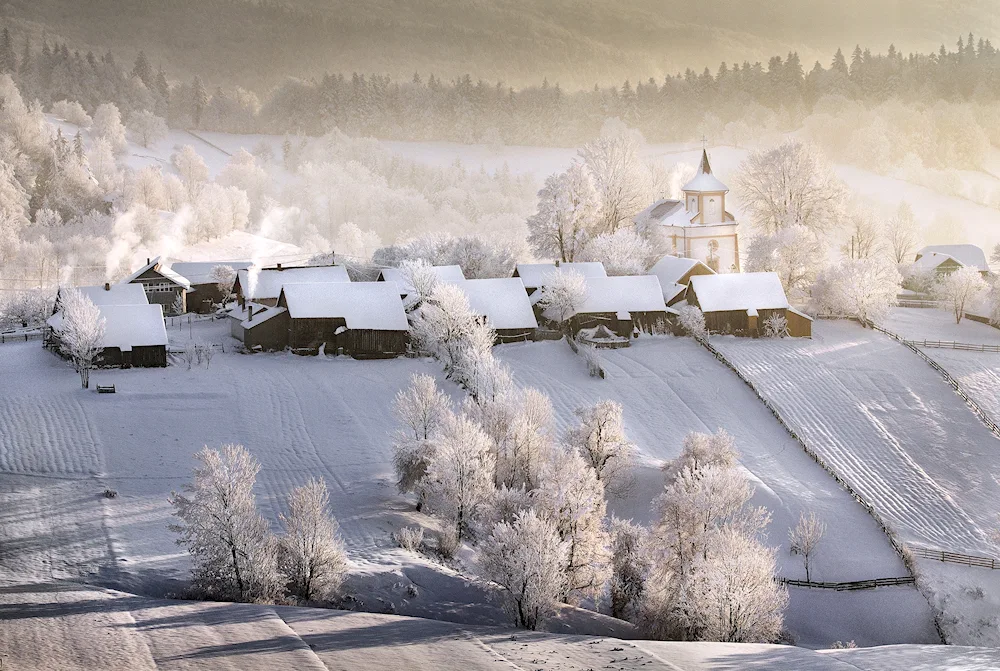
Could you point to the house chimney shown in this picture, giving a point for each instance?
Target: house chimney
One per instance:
(279, 266)
(107, 286)
(148, 260)
(249, 312)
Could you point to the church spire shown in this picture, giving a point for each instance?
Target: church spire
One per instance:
(704, 168)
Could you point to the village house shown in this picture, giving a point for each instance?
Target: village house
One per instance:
(533, 275)
(742, 303)
(451, 274)
(697, 227)
(364, 319)
(134, 332)
(504, 305)
(946, 259)
(675, 273)
(621, 304)
(204, 293)
(162, 286)
(264, 286)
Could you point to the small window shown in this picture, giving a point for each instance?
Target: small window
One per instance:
(713, 206)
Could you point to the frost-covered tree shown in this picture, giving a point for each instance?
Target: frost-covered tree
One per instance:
(795, 253)
(148, 128)
(629, 567)
(230, 542)
(460, 473)
(867, 231)
(108, 125)
(601, 441)
(243, 172)
(572, 498)
(420, 275)
(311, 553)
(24, 308)
(81, 332)
(423, 410)
(621, 178)
(224, 277)
(191, 168)
(71, 111)
(562, 294)
(902, 233)
(788, 186)
(569, 210)
(531, 437)
(692, 320)
(865, 289)
(805, 537)
(144, 187)
(701, 450)
(443, 325)
(525, 559)
(101, 159)
(958, 290)
(623, 252)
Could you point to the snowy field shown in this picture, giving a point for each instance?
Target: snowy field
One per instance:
(305, 416)
(934, 324)
(888, 424)
(114, 631)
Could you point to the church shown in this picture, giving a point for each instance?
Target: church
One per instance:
(698, 227)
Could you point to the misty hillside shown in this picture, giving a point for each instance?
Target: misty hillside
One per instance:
(575, 42)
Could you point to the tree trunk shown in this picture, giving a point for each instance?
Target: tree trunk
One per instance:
(85, 377)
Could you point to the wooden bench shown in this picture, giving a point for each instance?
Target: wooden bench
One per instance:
(105, 389)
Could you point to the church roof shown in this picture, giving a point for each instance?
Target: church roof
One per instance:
(705, 181)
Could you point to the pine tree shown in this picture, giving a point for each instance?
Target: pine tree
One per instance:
(78, 146)
(8, 59)
(199, 100)
(143, 70)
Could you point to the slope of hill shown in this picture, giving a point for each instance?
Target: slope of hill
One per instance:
(575, 42)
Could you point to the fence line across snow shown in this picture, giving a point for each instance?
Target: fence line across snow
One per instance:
(955, 557)
(20, 337)
(852, 585)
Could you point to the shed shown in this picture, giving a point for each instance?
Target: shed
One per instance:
(162, 285)
(622, 304)
(264, 286)
(505, 306)
(134, 335)
(533, 274)
(204, 294)
(675, 273)
(740, 303)
(366, 319)
(451, 274)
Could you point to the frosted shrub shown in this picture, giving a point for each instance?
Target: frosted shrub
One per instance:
(601, 441)
(448, 542)
(805, 537)
(693, 321)
(775, 326)
(593, 358)
(71, 111)
(312, 557)
(842, 645)
(410, 538)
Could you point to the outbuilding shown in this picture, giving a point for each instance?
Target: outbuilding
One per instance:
(742, 303)
(533, 275)
(204, 294)
(264, 286)
(675, 273)
(504, 305)
(259, 327)
(134, 335)
(622, 304)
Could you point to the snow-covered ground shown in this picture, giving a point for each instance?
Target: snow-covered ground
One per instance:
(887, 423)
(74, 627)
(935, 324)
(670, 386)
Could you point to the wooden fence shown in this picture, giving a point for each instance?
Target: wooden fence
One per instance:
(917, 303)
(20, 337)
(955, 558)
(851, 586)
(951, 344)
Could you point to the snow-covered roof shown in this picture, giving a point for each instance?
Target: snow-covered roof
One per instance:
(503, 301)
(670, 269)
(640, 293)
(128, 326)
(704, 181)
(154, 264)
(115, 294)
(533, 274)
(260, 315)
(672, 290)
(270, 280)
(362, 305)
(200, 272)
(443, 273)
(666, 212)
(739, 291)
(967, 255)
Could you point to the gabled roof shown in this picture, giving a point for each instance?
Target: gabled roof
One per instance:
(503, 301)
(200, 272)
(966, 255)
(639, 293)
(739, 291)
(362, 305)
(533, 275)
(443, 273)
(128, 326)
(167, 273)
(704, 181)
(270, 280)
(115, 294)
(670, 269)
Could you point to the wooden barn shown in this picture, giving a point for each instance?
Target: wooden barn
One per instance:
(204, 294)
(452, 274)
(162, 286)
(622, 304)
(504, 305)
(946, 259)
(675, 273)
(741, 303)
(533, 274)
(134, 335)
(260, 327)
(364, 319)
(108, 294)
(264, 286)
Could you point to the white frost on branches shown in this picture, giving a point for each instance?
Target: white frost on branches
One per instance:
(311, 556)
(865, 289)
(563, 293)
(81, 332)
(601, 441)
(569, 208)
(958, 290)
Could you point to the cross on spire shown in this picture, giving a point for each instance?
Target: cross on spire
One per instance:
(704, 142)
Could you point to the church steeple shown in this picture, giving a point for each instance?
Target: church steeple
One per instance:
(704, 168)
